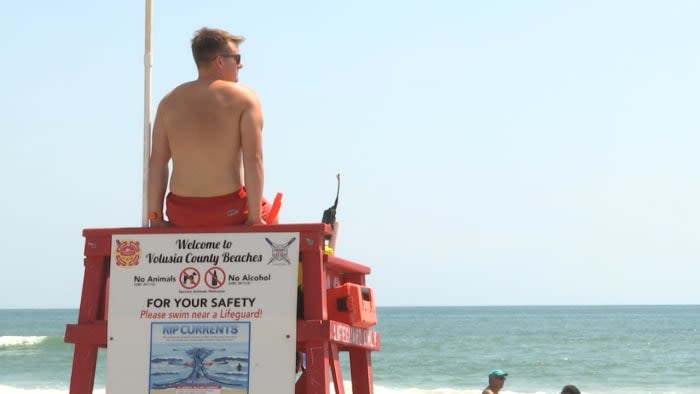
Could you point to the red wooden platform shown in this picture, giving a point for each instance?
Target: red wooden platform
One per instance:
(320, 339)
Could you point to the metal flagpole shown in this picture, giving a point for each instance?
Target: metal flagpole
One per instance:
(146, 114)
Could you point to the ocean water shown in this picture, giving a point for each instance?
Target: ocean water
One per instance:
(446, 350)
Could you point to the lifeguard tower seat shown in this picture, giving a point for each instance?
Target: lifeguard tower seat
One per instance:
(337, 309)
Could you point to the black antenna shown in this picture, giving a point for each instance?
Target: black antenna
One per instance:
(329, 214)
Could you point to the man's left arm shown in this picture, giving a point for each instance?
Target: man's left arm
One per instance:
(251, 147)
(158, 171)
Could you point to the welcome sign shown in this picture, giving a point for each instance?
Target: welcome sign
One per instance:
(202, 313)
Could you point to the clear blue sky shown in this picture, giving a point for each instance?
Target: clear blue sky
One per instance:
(492, 153)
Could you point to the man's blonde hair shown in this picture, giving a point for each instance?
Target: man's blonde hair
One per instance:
(207, 43)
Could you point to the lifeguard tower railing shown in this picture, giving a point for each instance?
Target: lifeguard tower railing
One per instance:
(319, 338)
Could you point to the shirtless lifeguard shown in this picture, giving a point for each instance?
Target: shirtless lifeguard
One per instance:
(211, 128)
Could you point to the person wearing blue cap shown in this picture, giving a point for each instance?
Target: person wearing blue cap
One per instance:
(570, 389)
(497, 378)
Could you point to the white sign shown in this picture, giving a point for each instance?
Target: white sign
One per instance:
(202, 313)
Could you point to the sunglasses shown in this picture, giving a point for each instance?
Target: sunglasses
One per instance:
(235, 56)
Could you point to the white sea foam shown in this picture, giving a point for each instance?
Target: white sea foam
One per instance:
(377, 390)
(348, 390)
(386, 390)
(15, 390)
(20, 341)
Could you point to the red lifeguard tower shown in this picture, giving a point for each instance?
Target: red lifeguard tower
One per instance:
(335, 308)
(337, 314)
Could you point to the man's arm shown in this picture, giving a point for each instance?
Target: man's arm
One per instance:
(251, 147)
(158, 169)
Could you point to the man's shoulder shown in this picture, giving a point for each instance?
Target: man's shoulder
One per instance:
(240, 90)
(235, 90)
(185, 86)
(487, 391)
(219, 88)
(247, 89)
(177, 91)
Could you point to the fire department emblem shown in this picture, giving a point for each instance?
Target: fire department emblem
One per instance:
(128, 253)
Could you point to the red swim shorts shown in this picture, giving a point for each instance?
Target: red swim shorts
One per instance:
(226, 210)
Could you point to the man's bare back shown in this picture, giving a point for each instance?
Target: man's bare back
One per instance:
(211, 129)
(201, 122)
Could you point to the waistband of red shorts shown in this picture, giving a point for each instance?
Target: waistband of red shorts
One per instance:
(239, 194)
